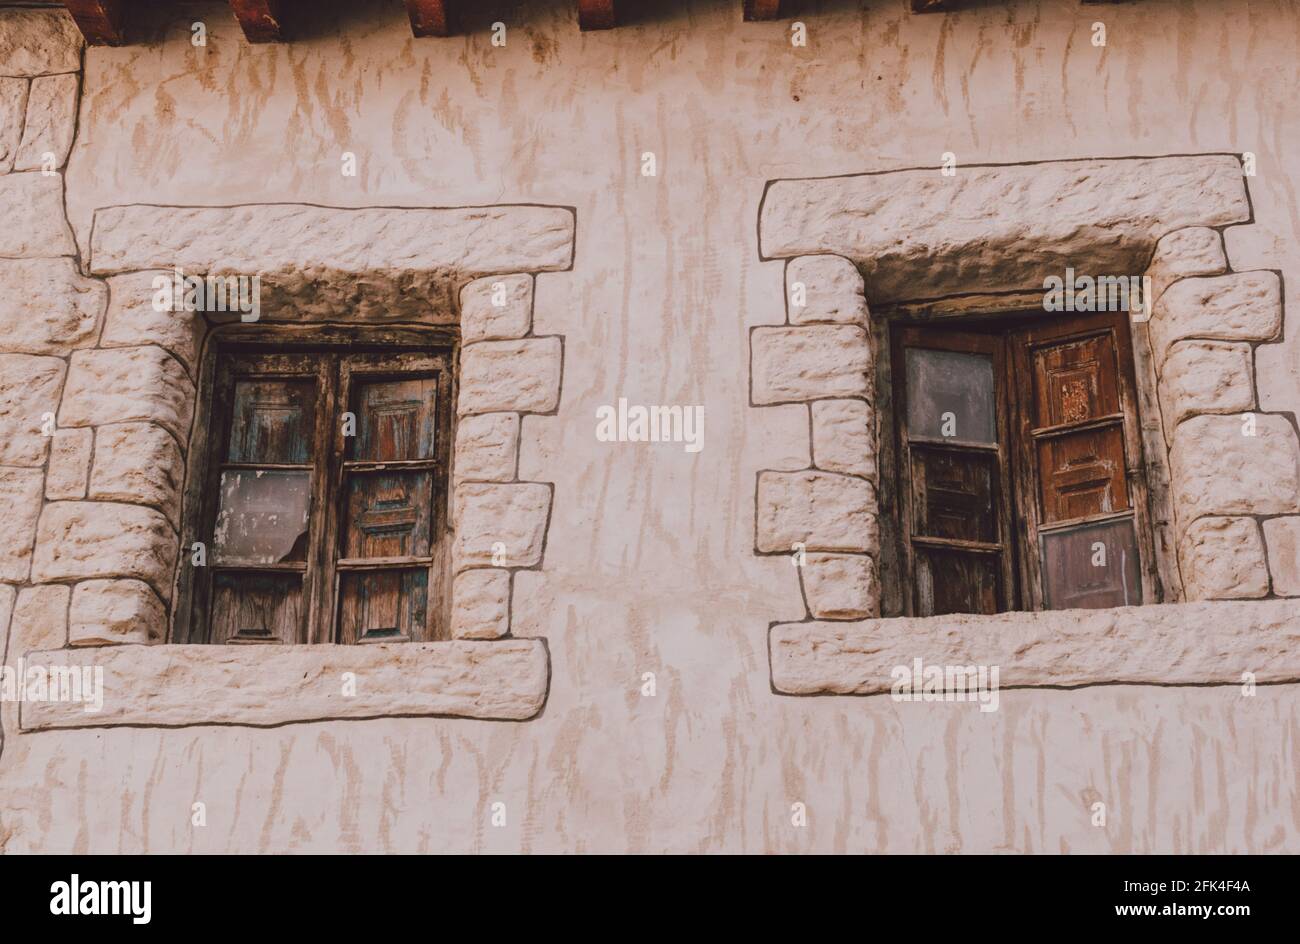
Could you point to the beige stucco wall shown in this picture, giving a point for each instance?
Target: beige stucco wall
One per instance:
(649, 564)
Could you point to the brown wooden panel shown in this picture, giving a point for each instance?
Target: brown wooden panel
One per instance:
(954, 494)
(932, 6)
(956, 582)
(1075, 381)
(597, 14)
(272, 421)
(260, 20)
(256, 607)
(383, 606)
(388, 515)
(100, 21)
(1091, 566)
(1082, 474)
(396, 419)
(762, 9)
(431, 17)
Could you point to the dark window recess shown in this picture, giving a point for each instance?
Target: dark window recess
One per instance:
(327, 478)
(1020, 477)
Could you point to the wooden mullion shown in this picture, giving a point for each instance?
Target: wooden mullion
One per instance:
(318, 594)
(1009, 593)
(282, 567)
(1024, 472)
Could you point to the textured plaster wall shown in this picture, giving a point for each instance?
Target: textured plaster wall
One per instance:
(649, 563)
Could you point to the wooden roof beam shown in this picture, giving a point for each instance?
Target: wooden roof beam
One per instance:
(762, 9)
(100, 21)
(597, 14)
(260, 20)
(432, 17)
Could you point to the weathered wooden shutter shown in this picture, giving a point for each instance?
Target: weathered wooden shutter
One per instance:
(262, 556)
(1079, 484)
(953, 461)
(389, 475)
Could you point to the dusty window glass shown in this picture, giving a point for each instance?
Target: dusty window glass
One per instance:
(262, 517)
(950, 395)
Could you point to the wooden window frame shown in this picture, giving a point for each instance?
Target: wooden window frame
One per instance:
(1010, 335)
(334, 357)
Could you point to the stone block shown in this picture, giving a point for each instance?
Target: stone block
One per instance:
(29, 396)
(481, 604)
(832, 291)
(512, 516)
(1223, 559)
(49, 307)
(821, 510)
(80, 540)
(115, 612)
(496, 308)
(126, 384)
(809, 363)
(487, 447)
(523, 376)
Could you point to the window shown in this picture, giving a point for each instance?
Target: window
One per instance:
(323, 508)
(1019, 466)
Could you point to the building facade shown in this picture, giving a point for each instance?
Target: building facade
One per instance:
(833, 427)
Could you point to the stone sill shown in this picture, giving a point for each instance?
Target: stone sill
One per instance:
(1171, 644)
(264, 686)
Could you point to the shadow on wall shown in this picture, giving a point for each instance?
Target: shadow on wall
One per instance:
(303, 21)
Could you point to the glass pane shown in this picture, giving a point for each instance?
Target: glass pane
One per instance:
(273, 421)
(395, 419)
(950, 395)
(388, 514)
(953, 495)
(256, 608)
(1082, 474)
(955, 582)
(262, 518)
(1091, 566)
(383, 606)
